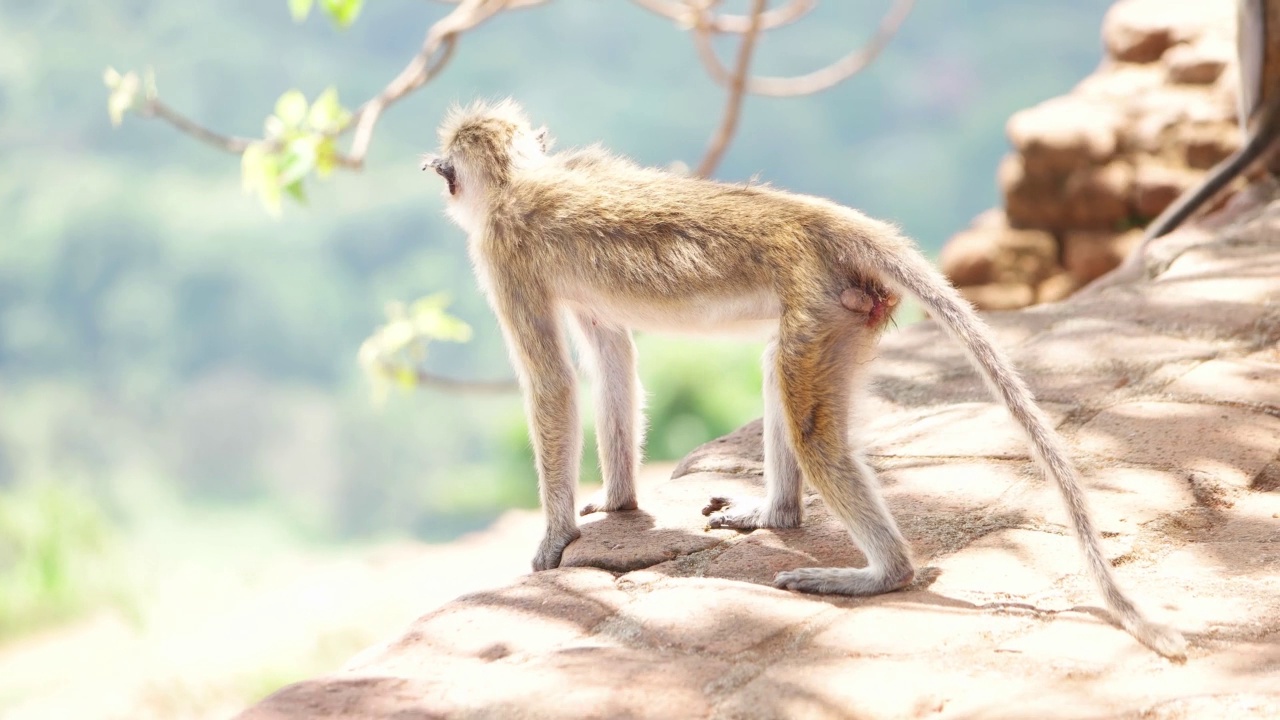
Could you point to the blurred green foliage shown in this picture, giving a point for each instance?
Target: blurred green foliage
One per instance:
(161, 336)
(54, 555)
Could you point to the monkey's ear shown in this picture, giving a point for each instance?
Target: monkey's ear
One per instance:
(543, 136)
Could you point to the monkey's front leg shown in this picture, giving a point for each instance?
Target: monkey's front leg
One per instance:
(610, 356)
(546, 374)
(783, 481)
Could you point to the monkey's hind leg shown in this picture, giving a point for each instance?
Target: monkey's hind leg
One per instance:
(821, 360)
(610, 358)
(783, 483)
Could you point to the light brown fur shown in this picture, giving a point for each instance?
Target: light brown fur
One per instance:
(616, 246)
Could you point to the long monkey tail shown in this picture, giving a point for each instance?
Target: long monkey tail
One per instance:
(915, 275)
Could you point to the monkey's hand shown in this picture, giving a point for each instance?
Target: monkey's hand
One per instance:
(552, 547)
(601, 502)
(746, 514)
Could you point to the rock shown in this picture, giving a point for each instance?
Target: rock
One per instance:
(1208, 145)
(1098, 198)
(968, 258)
(999, 296)
(1064, 134)
(1119, 83)
(1089, 198)
(1088, 255)
(1120, 147)
(1199, 63)
(1056, 287)
(1162, 394)
(1142, 30)
(1156, 185)
(997, 253)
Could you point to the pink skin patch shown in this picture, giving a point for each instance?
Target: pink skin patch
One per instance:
(876, 305)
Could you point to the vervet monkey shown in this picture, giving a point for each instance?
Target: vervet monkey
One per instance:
(1259, 113)
(594, 239)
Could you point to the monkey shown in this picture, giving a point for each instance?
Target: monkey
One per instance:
(1258, 104)
(591, 242)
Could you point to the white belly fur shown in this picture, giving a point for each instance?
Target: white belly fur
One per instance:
(753, 315)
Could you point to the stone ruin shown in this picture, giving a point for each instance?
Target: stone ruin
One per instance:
(1091, 168)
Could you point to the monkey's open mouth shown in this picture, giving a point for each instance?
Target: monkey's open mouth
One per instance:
(444, 169)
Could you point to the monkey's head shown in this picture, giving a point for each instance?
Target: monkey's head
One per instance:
(481, 146)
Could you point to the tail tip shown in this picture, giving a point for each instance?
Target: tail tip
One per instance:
(1165, 640)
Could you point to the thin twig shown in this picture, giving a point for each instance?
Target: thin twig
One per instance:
(511, 4)
(437, 48)
(156, 108)
(686, 14)
(829, 76)
(429, 379)
(733, 105)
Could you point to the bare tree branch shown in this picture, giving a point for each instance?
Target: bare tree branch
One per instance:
(155, 108)
(437, 48)
(435, 52)
(819, 80)
(511, 4)
(733, 105)
(686, 14)
(439, 382)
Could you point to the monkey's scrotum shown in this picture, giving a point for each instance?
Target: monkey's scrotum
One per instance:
(590, 242)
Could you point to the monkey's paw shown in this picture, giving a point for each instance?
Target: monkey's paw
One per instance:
(842, 581)
(552, 547)
(746, 514)
(600, 502)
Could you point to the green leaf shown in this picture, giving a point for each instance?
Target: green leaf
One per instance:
(297, 191)
(343, 12)
(299, 9)
(260, 173)
(298, 158)
(251, 167)
(405, 377)
(434, 301)
(291, 108)
(327, 114)
(326, 157)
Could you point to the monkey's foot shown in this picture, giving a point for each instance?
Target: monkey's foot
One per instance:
(843, 581)
(748, 514)
(552, 547)
(601, 502)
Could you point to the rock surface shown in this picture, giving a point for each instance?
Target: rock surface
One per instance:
(1090, 166)
(1168, 392)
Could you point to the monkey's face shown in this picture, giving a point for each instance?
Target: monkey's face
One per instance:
(445, 169)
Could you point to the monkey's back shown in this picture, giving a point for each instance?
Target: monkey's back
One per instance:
(643, 242)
